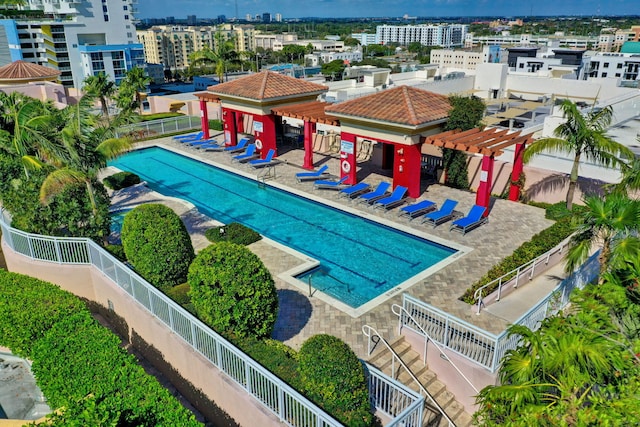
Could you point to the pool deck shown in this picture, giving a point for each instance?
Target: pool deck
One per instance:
(302, 316)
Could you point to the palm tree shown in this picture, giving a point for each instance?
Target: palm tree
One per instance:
(132, 85)
(85, 146)
(585, 137)
(99, 86)
(222, 54)
(24, 130)
(611, 222)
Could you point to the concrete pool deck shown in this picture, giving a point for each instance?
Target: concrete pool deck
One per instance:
(302, 316)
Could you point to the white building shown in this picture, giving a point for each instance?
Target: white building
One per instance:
(622, 66)
(365, 38)
(446, 35)
(81, 38)
(347, 57)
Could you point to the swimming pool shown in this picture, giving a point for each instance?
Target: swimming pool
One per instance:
(359, 259)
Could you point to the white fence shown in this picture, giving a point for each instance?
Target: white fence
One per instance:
(287, 404)
(160, 126)
(482, 347)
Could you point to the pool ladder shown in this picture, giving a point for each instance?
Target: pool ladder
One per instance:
(267, 173)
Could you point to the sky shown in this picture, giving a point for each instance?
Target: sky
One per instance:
(383, 8)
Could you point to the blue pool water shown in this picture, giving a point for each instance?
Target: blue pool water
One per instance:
(359, 259)
(116, 221)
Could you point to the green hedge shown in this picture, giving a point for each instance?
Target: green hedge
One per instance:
(234, 232)
(121, 180)
(157, 116)
(157, 244)
(539, 244)
(333, 377)
(79, 365)
(215, 124)
(232, 291)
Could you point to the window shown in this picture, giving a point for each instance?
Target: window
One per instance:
(605, 65)
(104, 8)
(126, 16)
(125, 7)
(604, 75)
(619, 65)
(97, 62)
(617, 74)
(106, 18)
(129, 35)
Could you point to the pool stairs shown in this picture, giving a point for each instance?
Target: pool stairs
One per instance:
(383, 359)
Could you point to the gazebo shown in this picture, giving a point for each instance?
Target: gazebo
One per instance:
(248, 103)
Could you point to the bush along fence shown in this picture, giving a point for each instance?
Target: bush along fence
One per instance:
(289, 406)
(159, 127)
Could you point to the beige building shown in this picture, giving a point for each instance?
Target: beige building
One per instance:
(629, 35)
(172, 45)
(449, 58)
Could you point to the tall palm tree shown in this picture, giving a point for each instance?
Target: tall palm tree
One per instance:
(611, 222)
(583, 136)
(101, 87)
(221, 55)
(86, 144)
(24, 130)
(132, 85)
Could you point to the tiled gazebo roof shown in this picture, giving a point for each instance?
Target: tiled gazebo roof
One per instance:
(267, 85)
(403, 105)
(21, 71)
(309, 111)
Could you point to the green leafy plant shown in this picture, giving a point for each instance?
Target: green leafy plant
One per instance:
(117, 251)
(333, 377)
(158, 116)
(157, 244)
(121, 180)
(215, 124)
(232, 290)
(233, 232)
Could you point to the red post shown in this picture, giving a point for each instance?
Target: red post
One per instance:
(348, 157)
(483, 196)
(230, 132)
(204, 118)
(514, 189)
(406, 168)
(264, 130)
(309, 130)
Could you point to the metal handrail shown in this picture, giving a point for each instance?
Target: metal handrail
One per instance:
(477, 295)
(367, 331)
(427, 338)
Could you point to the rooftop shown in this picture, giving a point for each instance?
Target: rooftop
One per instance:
(267, 85)
(21, 71)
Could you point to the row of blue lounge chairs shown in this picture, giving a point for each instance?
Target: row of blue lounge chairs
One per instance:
(249, 153)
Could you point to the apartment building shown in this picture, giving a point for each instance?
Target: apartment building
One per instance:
(365, 38)
(629, 35)
(574, 42)
(78, 38)
(274, 41)
(445, 35)
(172, 45)
(449, 58)
(622, 66)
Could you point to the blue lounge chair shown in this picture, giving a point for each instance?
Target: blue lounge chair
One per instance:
(197, 142)
(472, 220)
(212, 145)
(268, 160)
(444, 214)
(355, 190)
(396, 198)
(321, 173)
(241, 145)
(249, 154)
(197, 135)
(331, 185)
(417, 209)
(377, 194)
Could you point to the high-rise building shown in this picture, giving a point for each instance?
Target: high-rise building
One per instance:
(79, 38)
(266, 17)
(278, 17)
(191, 20)
(446, 35)
(170, 20)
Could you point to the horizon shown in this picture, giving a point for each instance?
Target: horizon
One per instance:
(361, 9)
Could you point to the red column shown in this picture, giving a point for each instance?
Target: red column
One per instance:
(406, 168)
(483, 196)
(309, 130)
(204, 118)
(264, 130)
(514, 189)
(230, 133)
(348, 157)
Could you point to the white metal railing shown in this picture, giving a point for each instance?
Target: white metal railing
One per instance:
(482, 347)
(372, 335)
(400, 403)
(161, 126)
(287, 404)
(526, 271)
(400, 312)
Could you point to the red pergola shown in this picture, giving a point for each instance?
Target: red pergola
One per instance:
(490, 143)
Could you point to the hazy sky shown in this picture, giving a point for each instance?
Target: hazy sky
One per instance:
(382, 8)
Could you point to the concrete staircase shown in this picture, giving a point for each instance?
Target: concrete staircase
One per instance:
(382, 359)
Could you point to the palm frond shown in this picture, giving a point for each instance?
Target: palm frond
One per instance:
(57, 181)
(113, 147)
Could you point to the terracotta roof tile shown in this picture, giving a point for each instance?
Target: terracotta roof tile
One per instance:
(21, 70)
(404, 105)
(266, 85)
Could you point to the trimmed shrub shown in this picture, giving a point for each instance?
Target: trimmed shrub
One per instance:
(333, 377)
(121, 180)
(234, 232)
(180, 294)
(158, 116)
(157, 244)
(79, 365)
(215, 124)
(232, 291)
(117, 251)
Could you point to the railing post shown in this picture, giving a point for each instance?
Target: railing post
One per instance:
(162, 127)
(58, 254)
(247, 374)
(281, 403)
(533, 267)
(30, 248)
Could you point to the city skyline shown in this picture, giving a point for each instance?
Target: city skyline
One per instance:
(378, 8)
